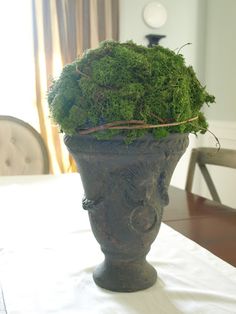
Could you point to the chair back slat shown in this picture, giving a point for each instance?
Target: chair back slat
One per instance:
(209, 182)
(209, 156)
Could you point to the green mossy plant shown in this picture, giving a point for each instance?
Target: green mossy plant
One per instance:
(125, 82)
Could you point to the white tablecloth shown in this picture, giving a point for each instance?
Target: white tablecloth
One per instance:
(48, 255)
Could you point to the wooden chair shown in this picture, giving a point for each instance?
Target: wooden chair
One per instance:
(209, 156)
(22, 149)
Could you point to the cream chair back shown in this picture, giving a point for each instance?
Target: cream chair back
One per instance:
(22, 149)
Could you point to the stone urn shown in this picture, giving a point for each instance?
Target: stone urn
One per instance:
(126, 189)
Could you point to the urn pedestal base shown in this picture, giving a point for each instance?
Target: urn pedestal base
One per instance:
(125, 276)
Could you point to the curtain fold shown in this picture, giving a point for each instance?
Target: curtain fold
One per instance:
(63, 30)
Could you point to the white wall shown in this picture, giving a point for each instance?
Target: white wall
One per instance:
(220, 65)
(185, 23)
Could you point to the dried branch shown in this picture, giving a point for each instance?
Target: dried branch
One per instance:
(121, 125)
(109, 126)
(158, 118)
(183, 47)
(83, 74)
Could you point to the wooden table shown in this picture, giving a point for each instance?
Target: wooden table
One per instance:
(206, 222)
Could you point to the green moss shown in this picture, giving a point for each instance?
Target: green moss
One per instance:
(125, 81)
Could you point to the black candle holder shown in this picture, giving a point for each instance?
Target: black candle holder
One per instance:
(154, 39)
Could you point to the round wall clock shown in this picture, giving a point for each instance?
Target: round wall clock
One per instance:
(154, 14)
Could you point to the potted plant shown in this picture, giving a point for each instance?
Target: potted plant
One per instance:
(126, 111)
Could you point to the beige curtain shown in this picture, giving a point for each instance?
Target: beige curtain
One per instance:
(62, 30)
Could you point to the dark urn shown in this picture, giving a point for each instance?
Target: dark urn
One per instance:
(126, 189)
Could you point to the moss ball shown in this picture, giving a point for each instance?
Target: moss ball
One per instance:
(126, 81)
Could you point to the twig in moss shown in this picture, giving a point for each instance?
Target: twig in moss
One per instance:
(138, 125)
(217, 140)
(155, 126)
(158, 118)
(109, 126)
(83, 74)
(215, 137)
(183, 47)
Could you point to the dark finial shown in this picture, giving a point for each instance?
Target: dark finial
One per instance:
(154, 39)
